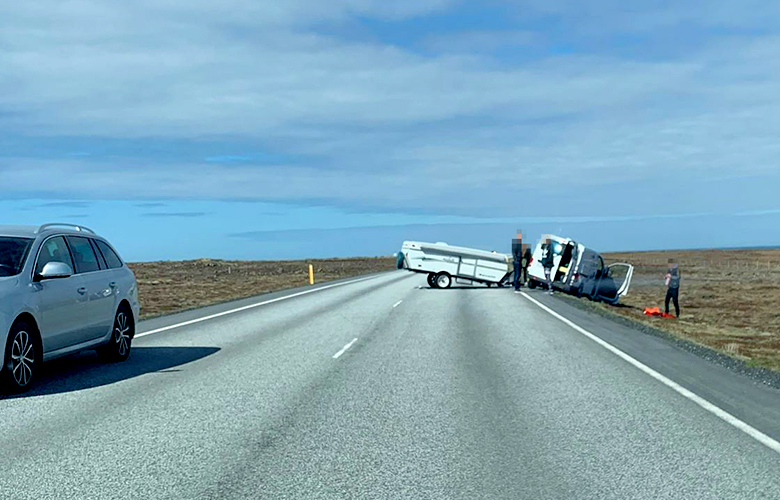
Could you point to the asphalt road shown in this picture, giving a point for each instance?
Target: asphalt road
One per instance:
(467, 393)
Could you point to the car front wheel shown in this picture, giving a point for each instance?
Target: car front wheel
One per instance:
(118, 348)
(22, 359)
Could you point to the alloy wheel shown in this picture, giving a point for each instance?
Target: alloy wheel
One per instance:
(22, 358)
(122, 333)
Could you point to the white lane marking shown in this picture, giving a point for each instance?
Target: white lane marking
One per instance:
(397, 304)
(344, 349)
(715, 410)
(250, 306)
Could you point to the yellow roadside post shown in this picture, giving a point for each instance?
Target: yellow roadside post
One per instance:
(311, 274)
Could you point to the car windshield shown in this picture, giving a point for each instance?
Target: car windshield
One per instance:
(12, 254)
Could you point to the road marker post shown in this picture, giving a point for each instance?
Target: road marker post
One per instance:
(311, 274)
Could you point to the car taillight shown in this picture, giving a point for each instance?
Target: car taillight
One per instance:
(530, 261)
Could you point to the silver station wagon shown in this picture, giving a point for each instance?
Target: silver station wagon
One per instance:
(63, 289)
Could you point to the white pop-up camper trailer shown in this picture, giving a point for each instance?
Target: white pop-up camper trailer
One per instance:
(444, 263)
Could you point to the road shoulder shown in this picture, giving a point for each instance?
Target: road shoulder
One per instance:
(752, 401)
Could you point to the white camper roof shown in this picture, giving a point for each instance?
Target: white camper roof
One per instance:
(443, 248)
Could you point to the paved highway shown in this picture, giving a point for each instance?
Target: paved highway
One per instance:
(386, 389)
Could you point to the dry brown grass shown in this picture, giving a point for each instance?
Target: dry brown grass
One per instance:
(728, 299)
(171, 286)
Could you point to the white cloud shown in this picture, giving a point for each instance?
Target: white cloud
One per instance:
(385, 125)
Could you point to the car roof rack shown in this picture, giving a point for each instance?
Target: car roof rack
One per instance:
(65, 224)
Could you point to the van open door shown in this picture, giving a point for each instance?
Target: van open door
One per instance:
(565, 266)
(626, 270)
(614, 282)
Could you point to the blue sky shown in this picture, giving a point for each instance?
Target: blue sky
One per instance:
(265, 130)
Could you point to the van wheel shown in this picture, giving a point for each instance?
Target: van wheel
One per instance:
(118, 348)
(431, 280)
(22, 359)
(443, 280)
(531, 284)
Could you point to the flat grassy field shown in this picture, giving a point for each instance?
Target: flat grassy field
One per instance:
(172, 286)
(728, 299)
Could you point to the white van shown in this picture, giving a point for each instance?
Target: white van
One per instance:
(581, 271)
(443, 263)
(566, 252)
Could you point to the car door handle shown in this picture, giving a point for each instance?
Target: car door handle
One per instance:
(82, 290)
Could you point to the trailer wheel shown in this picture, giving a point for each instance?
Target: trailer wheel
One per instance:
(431, 280)
(443, 280)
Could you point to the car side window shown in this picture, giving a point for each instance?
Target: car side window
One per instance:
(112, 259)
(53, 250)
(83, 256)
(101, 260)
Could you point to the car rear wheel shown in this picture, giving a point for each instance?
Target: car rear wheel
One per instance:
(22, 359)
(118, 348)
(443, 280)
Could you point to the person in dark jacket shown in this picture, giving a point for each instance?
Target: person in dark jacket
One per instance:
(673, 287)
(548, 258)
(526, 261)
(517, 260)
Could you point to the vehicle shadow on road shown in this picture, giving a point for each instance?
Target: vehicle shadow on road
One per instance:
(86, 371)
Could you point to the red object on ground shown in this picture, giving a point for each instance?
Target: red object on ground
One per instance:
(656, 311)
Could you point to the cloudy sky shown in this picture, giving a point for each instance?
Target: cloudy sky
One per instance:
(304, 128)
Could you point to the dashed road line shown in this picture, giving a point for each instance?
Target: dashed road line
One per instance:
(344, 349)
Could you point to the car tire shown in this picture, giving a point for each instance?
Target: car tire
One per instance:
(22, 359)
(531, 284)
(118, 348)
(431, 280)
(443, 280)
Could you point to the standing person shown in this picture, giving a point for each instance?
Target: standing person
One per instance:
(526, 261)
(517, 259)
(547, 262)
(673, 287)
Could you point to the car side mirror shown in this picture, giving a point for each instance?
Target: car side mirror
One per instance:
(54, 270)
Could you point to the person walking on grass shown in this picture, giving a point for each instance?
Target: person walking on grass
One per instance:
(517, 260)
(673, 287)
(547, 263)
